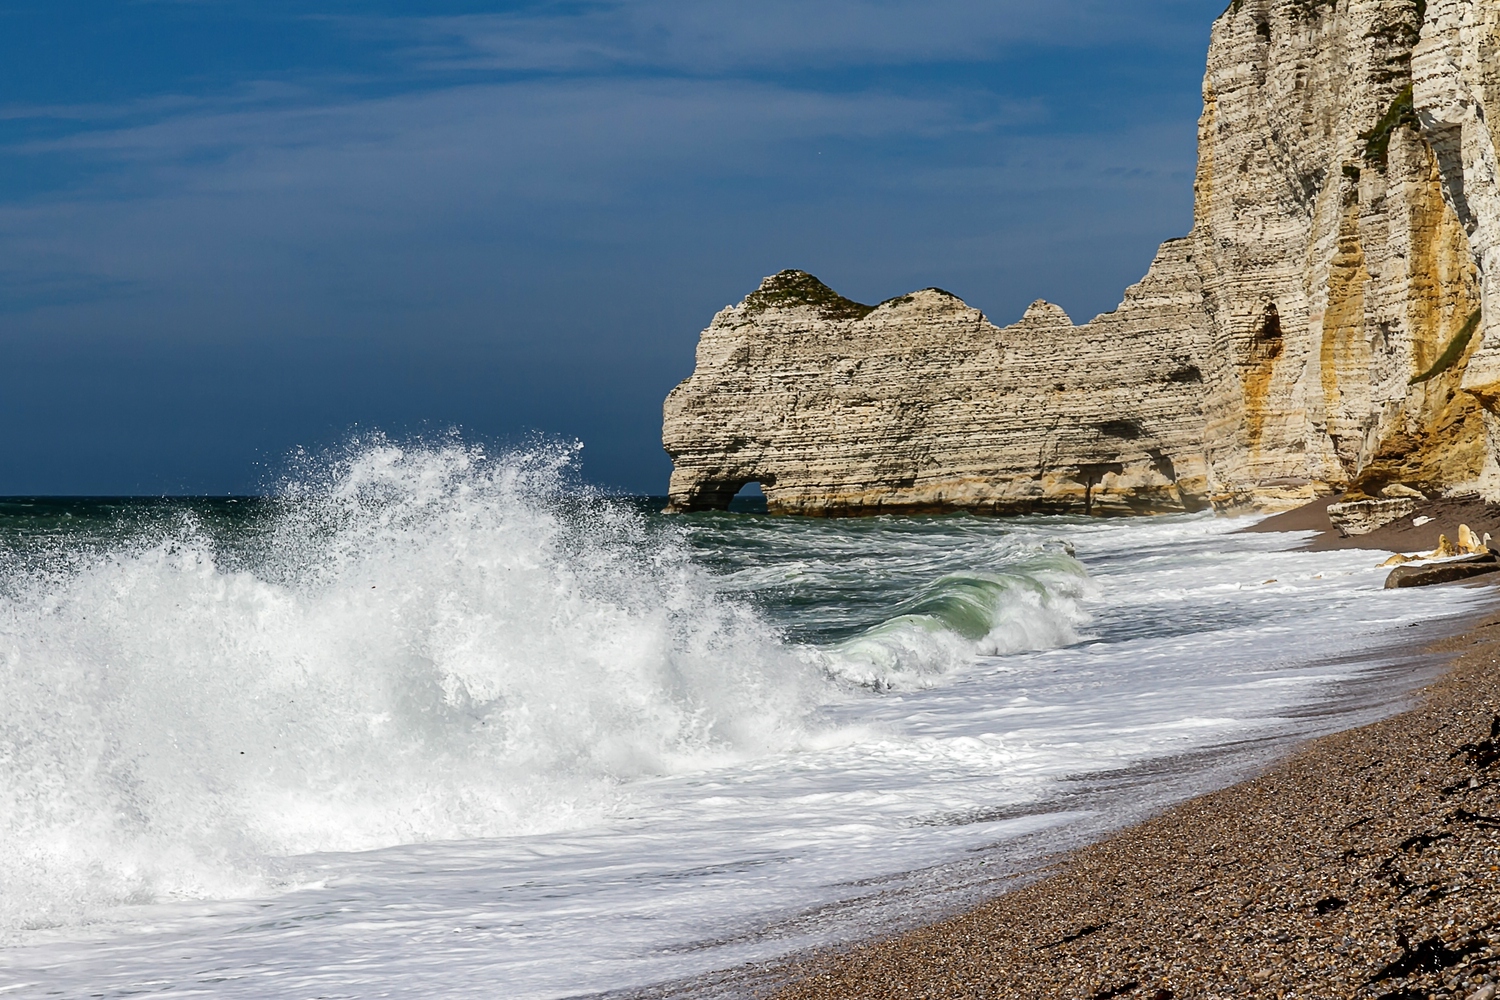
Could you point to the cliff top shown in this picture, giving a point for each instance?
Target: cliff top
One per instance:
(789, 289)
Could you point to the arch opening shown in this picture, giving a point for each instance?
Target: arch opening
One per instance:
(729, 493)
(750, 499)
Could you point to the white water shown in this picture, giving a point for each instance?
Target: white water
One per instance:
(429, 732)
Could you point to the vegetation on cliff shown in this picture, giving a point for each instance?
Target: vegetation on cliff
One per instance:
(1452, 352)
(1378, 140)
(790, 288)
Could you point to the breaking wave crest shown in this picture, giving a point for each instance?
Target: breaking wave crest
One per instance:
(422, 646)
(1030, 606)
(412, 643)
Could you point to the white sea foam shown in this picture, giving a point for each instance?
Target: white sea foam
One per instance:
(1031, 605)
(440, 725)
(426, 651)
(418, 644)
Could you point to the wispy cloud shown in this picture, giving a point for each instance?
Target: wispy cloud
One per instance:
(575, 141)
(361, 186)
(578, 186)
(716, 37)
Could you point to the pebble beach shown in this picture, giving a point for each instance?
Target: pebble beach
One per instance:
(1367, 865)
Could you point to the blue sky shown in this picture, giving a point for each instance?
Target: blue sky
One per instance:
(230, 229)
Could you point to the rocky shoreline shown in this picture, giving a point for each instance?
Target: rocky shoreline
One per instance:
(1418, 531)
(1367, 865)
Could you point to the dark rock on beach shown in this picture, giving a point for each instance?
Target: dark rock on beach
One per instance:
(1427, 574)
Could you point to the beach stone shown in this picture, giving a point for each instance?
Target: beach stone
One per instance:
(1399, 491)
(1360, 517)
(1444, 572)
(1319, 328)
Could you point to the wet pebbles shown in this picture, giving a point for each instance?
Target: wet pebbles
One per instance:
(1366, 866)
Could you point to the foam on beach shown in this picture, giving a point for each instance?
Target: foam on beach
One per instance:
(436, 713)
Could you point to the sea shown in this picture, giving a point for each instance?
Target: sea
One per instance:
(430, 720)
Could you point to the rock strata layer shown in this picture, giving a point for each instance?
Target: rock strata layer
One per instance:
(1360, 517)
(1321, 328)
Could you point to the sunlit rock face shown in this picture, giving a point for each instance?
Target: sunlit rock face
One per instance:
(1319, 329)
(921, 403)
(1334, 265)
(1456, 84)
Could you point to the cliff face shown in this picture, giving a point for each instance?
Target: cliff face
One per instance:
(1335, 269)
(1456, 71)
(1320, 327)
(921, 403)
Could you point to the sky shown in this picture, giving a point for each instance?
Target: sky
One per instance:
(230, 229)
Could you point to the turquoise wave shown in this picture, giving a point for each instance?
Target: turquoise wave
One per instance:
(1033, 604)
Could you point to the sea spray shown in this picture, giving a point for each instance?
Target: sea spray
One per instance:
(421, 646)
(779, 821)
(412, 644)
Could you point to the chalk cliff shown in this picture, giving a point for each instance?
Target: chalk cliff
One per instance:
(1320, 327)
